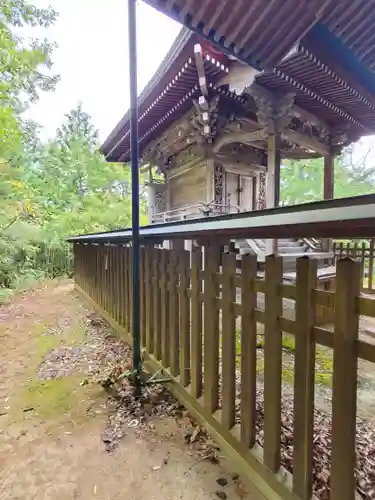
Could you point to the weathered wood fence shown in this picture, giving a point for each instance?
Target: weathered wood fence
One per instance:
(362, 250)
(199, 321)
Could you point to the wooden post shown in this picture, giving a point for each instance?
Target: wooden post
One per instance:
(196, 322)
(117, 281)
(328, 191)
(304, 369)
(184, 266)
(211, 328)
(272, 184)
(122, 285)
(143, 278)
(272, 363)
(344, 381)
(149, 255)
(157, 303)
(109, 279)
(248, 349)
(174, 336)
(164, 307)
(128, 288)
(228, 351)
(370, 264)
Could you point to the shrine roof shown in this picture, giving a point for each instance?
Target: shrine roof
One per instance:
(323, 51)
(168, 94)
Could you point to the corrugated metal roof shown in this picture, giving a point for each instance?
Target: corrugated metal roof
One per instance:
(353, 21)
(258, 32)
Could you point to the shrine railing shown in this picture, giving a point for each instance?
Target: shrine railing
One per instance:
(196, 211)
(278, 390)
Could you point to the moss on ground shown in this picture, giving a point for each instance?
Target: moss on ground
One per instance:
(52, 398)
(59, 398)
(323, 358)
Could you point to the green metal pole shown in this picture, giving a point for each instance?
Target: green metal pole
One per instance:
(132, 35)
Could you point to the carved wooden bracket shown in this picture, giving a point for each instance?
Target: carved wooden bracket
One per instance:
(274, 113)
(205, 119)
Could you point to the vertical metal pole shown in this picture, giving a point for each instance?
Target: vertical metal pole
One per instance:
(132, 34)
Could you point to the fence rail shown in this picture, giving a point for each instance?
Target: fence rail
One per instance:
(200, 322)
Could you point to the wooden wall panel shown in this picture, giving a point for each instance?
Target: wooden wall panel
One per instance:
(188, 188)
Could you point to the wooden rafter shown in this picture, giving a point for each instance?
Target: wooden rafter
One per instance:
(240, 137)
(306, 141)
(200, 68)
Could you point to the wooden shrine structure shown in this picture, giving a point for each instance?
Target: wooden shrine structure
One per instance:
(214, 131)
(252, 82)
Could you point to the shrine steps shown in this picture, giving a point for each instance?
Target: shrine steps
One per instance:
(289, 249)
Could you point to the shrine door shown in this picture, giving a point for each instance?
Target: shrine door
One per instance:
(239, 192)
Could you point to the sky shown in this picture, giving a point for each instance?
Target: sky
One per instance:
(92, 59)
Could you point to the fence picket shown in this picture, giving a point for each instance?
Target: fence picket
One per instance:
(149, 302)
(122, 284)
(155, 290)
(248, 349)
(128, 289)
(272, 363)
(211, 329)
(370, 264)
(304, 369)
(184, 327)
(118, 278)
(228, 351)
(344, 381)
(196, 323)
(110, 280)
(142, 294)
(173, 313)
(164, 308)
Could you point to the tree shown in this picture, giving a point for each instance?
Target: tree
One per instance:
(24, 68)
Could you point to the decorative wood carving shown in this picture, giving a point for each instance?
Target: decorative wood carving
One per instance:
(309, 143)
(241, 154)
(274, 113)
(205, 119)
(262, 204)
(218, 184)
(160, 205)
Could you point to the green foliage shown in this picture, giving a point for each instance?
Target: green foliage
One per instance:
(302, 180)
(63, 187)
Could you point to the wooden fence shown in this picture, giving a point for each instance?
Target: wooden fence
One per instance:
(199, 322)
(362, 250)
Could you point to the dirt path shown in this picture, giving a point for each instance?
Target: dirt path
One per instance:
(52, 423)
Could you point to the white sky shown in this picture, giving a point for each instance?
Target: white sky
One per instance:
(92, 59)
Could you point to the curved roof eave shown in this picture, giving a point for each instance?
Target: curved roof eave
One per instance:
(182, 39)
